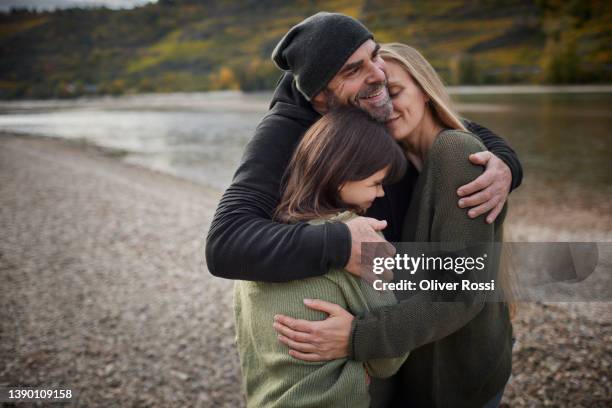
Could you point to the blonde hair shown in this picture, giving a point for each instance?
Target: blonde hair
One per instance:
(425, 78)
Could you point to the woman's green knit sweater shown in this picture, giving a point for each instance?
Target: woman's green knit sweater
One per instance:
(460, 352)
(271, 377)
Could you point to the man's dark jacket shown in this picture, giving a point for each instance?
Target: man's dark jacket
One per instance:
(244, 243)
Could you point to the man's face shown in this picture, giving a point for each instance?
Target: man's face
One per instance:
(361, 82)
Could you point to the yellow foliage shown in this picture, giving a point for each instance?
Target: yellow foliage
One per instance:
(224, 79)
(227, 79)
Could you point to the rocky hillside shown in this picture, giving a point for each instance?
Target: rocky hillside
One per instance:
(187, 45)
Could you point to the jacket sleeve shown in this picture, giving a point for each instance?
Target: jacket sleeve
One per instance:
(500, 148)
(393, 330)
(244, 243)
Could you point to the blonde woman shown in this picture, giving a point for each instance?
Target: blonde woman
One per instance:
(460, 352)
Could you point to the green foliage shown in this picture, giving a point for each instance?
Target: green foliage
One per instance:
(463, 69)
(257, 74)
(577, 34)
(560, 60)
(189, 45)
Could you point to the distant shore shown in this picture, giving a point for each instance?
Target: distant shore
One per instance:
(105, 289)
(501, 89)
(261, 98)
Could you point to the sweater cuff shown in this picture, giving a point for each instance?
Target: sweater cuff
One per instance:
(351, 344)
(515, 169)
(338, 248)
(359, 339)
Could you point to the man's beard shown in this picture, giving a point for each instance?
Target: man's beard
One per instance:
(379, 113)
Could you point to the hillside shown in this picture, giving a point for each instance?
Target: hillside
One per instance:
(187, 45)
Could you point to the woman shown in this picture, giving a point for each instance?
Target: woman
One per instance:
(460, 353)
(337, 171)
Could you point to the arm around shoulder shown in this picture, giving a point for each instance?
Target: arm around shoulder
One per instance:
(499, 147)
(243, 241)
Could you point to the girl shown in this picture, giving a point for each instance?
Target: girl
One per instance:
(337, 170)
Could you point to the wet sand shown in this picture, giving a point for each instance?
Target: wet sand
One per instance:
(105, 289)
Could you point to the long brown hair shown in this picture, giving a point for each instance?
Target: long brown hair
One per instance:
(344, 145)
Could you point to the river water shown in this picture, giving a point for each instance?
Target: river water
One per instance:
(562, 135)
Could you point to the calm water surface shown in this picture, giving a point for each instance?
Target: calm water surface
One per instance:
(563, 139)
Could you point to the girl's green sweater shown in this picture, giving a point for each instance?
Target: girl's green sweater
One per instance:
(271, 377)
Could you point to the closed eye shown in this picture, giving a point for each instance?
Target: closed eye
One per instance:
(394, 90)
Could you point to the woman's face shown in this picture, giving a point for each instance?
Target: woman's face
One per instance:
(408, 102)
(362, 193)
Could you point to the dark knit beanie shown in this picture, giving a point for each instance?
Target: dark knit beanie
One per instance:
(316, 49)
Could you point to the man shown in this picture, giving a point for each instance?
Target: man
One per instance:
(330, 59)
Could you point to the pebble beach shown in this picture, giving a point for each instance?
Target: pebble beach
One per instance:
(105, 291)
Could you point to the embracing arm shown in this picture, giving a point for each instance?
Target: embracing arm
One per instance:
(394, 330)
(500, 148)
(244, 243)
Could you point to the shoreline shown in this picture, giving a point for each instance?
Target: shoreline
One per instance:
(105, 290)
(517, 88)
(569, 220)
(114, 154)
(258, 101)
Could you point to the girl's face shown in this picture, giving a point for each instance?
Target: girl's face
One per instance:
(408, 102)
(362, 193)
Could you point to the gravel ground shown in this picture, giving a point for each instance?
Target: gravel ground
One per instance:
(105, 291)
(104, 287)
